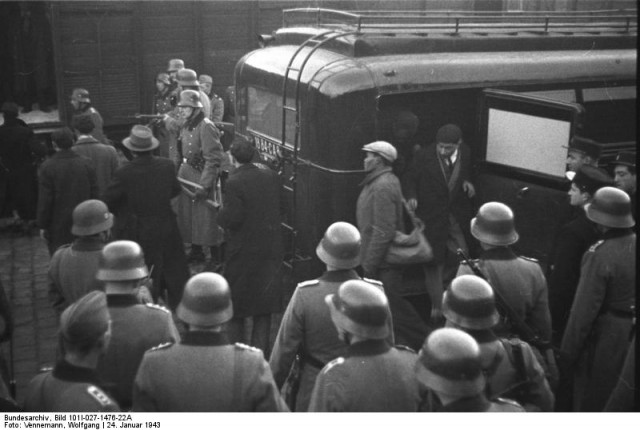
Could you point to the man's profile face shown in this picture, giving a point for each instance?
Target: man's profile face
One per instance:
(624, 179)
(371, 160)
(575, 160)
(447, 149)
(205, 87)
(576, 196)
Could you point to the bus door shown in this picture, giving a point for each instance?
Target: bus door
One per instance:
(522, 163)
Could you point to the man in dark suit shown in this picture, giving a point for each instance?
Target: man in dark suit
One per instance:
(66, 180)
(438, 187)
(140, 197)
(250, 216)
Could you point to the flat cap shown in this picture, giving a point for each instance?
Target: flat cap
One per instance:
(86, 319)
(382, 148)
(449, 133)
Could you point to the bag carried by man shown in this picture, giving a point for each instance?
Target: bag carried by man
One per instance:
(412, 248)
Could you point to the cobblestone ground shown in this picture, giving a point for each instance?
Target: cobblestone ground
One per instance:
(24, 261)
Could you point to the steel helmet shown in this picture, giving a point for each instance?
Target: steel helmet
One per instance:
(470, 303)
(80, 95)
(91, 217)
(190, 98)
(449, 363)
(340, 246)
(121, 260)
(610, 207)
(206, 300)
(382, 148)
(361, 309)
(205, 79)
(494, 225)
(187, 78)
(175, 65)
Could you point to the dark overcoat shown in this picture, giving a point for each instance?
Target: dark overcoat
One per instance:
(140, 198)
(426, 182)
(251, 218)
(66, 180)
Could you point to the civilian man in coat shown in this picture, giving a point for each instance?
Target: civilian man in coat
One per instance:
(17, 166)
(140, 197)
(104, 157)
(251, 218)
(379, 215)
(600, 325)
(135, 327)
(372, 376)
(438, 187)
(205, 372)
(73, 267)
(66, 180)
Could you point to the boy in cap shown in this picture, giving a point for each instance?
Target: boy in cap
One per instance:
(73, 267)
(601, 321)
(72, 385)
(204, 372)
(449, 365)
(372, 375)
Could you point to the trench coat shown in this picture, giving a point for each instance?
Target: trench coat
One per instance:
(250, 216)
(66, 180)
(104, 157)
(140, 198)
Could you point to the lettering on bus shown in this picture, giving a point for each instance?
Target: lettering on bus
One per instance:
(269, 149)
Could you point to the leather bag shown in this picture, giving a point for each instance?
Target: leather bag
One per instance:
(412, 248)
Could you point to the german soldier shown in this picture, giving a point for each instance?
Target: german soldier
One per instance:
(73, 267)
(519, 280)
(135, 327)
(510, 366)
(217, 104)
(188, 80)
(81, 103)
(72, 385)
(306, 328)
(372, 376)
(204, 373)
(164, 102)
(449, 365)
(598, 332)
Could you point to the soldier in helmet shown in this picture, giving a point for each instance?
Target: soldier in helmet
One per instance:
(306, 328)
(73, 385)
(597, 335)
(510, 366)
(450, 366)
(217, 105)
(372, 375)
(135, 327)
(201, 156)
(81, 103)
(204, 372)
(188, 80)
(519, 280)
(164, 101)
(174, 66)
(73, 267)
(140, 196)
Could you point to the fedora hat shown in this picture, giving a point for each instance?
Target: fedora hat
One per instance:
(140, 139)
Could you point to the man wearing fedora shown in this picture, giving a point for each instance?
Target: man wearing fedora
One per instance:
(519, 280)
(624, 170)
(73, 267)
(601, 322)
(140, 196)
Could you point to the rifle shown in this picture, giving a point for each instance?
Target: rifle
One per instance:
(525, 332)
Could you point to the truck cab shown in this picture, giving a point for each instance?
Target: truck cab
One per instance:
(519, 85)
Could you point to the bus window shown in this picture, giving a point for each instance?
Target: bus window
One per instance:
(265, 115)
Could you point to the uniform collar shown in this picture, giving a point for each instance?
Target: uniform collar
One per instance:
(499, 253)
(87, 243)
(368, 347)
(68, 372)
(121, 300)
(477, 403)
(205, 338)
(339, 275)
(193, 122)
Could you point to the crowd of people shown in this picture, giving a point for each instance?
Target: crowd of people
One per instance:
(138, 332)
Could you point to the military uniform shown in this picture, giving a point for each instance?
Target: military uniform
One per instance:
(217, 108)
(596, 339)
(371, 377)
(164, 103)
(204, 373)
(67, 388)
(481, 404)
(307, 329)
(135, 328)
(72, 271)
(196, 219)
(522, 284)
